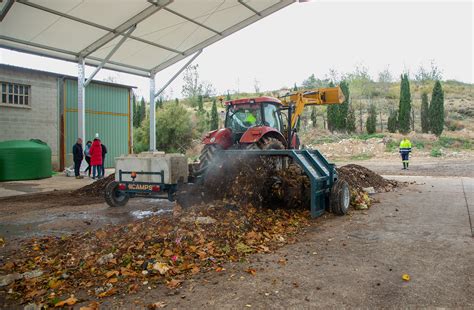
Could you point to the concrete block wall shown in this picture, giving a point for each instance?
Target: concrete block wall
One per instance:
(40, 119)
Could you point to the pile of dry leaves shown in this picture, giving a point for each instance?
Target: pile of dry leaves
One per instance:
(158, 250)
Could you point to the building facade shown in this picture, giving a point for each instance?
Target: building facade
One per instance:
(43, 105)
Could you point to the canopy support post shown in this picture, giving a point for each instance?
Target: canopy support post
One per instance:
(152, 113)
(81, 95)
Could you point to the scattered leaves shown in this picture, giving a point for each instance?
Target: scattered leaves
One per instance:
(67, 302)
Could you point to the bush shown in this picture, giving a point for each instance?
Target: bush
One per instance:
(392, 122)
(173, 128)
(391, 146)
(435, 152)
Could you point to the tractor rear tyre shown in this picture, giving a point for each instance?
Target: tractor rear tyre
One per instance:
(114, 197)
(207, 156)
(340, 198)
(270, 144)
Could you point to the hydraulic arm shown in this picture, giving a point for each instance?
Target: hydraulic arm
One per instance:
(320, 96)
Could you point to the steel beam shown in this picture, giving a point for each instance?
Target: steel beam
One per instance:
(81, 95)
(149, 11)
(88, 23)
(225, 33)
(249, 7)
(116, 47)
(192, 21)
(73, 56)
(152, 114)
(178, 73)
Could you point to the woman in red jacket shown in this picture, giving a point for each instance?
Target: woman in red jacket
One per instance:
(96, 158)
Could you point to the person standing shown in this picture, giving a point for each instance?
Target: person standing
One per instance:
(96, 157)
(77, 156)
(87, 155)
(104, 151)
(405, 149)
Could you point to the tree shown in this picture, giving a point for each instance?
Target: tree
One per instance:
(192, 87)
(436, 109)
(313, 116)
(295, 88)
(371, 123)
(392, 121)
(332, 114)
(351, 120)
(425, 119)
(341, 110)
(200, 103)
(431, 74)
(256, 86)
(142, 111)
(404, 109)
(173, 128)
(136, 113)
(227, 97)
(214, 116)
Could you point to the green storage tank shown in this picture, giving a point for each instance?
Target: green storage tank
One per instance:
(24, 160)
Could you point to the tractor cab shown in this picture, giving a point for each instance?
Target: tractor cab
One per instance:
(244, 114)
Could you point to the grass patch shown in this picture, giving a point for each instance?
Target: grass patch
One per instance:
(391, 146)
(419, 145)
(362, 156)
(456, 143)
(369, 136)
(435, 152)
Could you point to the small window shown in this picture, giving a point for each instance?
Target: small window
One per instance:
(15, 94)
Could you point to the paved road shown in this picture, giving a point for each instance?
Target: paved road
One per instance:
(357, 261)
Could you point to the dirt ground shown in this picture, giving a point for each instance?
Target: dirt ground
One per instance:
(353, 261)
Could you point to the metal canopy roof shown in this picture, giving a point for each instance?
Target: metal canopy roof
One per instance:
(139, 37)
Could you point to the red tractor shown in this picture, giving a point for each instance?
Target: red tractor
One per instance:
(258, 123)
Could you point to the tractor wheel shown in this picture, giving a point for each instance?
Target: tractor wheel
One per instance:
(206, 158)
(340, 197)
(114, 197)
(270, 144)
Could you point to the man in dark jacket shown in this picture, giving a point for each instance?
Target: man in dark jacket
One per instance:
(78, 156)
(104, 151)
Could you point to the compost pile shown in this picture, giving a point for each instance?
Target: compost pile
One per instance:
(95, 189)
(359, 177)
(163, 250)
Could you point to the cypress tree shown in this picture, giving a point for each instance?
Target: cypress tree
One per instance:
(342, 109)
(371, 123)
(436, 110)
(142, 110)
(425, 118)
(332, 114)
(136, 115)
(351, 120)
(404, 109)
(214, 116)
(392, 121)
(295, 88)
(228, 96)
(313, 116)
(200, 103)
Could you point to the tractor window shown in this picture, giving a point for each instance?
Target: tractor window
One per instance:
(272, 118)
(242, 117)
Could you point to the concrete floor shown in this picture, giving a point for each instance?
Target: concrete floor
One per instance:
(57, 182)
(358, 261)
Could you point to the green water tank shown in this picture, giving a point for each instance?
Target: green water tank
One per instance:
(24, 160)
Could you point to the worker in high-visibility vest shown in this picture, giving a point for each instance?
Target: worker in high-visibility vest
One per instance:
(405, 149)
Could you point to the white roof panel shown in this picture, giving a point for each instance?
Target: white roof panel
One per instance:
(160, 32)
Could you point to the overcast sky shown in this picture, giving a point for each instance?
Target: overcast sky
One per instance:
(313, 37)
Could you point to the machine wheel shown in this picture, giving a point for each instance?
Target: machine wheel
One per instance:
(206, 157)
(270, 144)
(340, 197)
(113, 197)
